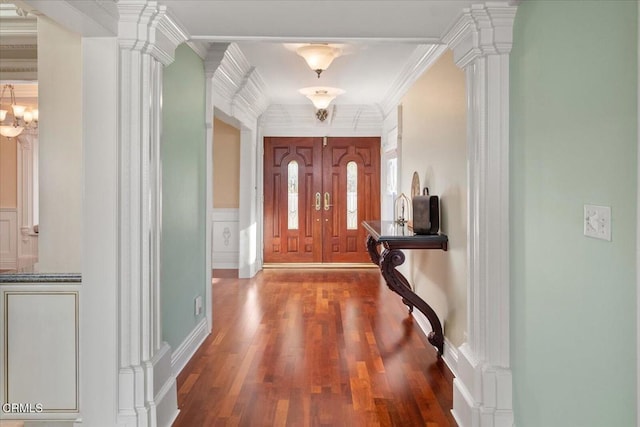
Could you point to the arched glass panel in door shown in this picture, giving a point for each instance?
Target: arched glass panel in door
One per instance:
(292, 184)
(352, 196)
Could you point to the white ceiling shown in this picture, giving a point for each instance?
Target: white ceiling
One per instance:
(379, 36)
(366, 73)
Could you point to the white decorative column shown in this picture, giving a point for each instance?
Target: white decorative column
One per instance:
(147, 39)
(27, 238)
(481, 41)
(215, 53)
(248, 216)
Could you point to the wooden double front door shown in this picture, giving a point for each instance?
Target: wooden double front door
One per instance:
(317, 191)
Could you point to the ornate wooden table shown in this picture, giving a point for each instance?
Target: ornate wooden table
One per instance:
(393, 237)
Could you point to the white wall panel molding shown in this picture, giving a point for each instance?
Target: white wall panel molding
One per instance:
(40, 349)
(9, 240)
(481, 42)
(188, 348)
(226, 238)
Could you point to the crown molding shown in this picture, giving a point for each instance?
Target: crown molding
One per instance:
(148, 28)
(481, 30)
(19, 27)
(213, 59)
(240, 90)
(345, 120)
(422, 58)
(199, 48)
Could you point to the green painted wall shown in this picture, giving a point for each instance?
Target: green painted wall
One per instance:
(183, 194)
(574, 120)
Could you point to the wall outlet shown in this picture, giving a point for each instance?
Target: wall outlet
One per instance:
(198, 305)
(597, 222)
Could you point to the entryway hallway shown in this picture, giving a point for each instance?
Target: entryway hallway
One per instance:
(313, 348)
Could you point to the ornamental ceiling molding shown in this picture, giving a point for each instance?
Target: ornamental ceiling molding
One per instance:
(149, 29)
(349, 120)
(19, 27)
(420, 61)
(481, 30)
(240, 90)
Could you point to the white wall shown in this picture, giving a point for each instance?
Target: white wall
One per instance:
(434, 145)
(60, 144)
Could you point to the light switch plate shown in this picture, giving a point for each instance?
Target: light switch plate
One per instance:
(597, 222)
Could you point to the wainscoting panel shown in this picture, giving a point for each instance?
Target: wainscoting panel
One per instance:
(40, 350)
(8, 238)
(226, 238)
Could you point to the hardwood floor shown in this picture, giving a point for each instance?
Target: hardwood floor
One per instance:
(313, 348)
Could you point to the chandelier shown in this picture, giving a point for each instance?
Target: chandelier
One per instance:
(319, 56)
(15, 119)
(321, 97)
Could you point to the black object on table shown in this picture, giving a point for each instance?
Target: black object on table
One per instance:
(393, 237)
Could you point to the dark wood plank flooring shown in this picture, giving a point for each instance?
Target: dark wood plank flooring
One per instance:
(313, 348)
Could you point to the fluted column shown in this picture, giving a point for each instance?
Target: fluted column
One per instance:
(147, 39)
(481, 41)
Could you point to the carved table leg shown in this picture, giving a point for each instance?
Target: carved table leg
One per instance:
(389, 260)
(372, 248)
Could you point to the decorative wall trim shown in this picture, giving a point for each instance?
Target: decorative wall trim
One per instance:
(19, 27)
(147, 38)
(481, 41)
(300, 120)
(64, 332)
(422, 58)
(225, 238)
(146, 27)
(240, 91)
(165, 393)
(9, 242)
(185, 351)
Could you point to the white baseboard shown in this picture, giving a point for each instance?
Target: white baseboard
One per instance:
(166, 394)
(189, 346)
(450, 355)
(225, 260)
(482, 394)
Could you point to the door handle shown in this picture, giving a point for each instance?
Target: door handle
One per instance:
(327, 201)
(318, 201)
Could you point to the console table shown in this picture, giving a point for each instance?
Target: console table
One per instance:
(393, 237)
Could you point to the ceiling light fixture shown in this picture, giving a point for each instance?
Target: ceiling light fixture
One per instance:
(20, 117)
(321, 98)
(319, 56)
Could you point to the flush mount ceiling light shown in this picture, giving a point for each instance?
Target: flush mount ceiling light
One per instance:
(18, 115)
(319, 56)
(321, 98)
